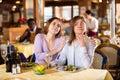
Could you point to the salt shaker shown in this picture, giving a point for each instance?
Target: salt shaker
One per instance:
(18, 69)
(14, 69)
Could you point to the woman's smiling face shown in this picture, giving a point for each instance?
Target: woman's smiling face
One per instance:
(55, 26)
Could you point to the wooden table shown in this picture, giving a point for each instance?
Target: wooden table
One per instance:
(53, 74)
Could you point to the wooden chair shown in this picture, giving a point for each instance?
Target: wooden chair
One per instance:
(32, 58)
(98, 40)
(100, 60)
(113, 53)
(104, 38)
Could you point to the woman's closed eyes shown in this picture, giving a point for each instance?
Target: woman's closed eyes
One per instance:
(58, 25)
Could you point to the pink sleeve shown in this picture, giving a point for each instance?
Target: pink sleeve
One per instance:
(38, 47)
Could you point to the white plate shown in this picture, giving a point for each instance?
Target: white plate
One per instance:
(25, 42)
(61, 69)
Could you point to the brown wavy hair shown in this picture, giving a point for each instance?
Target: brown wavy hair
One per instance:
(48, 24)
(72, 24)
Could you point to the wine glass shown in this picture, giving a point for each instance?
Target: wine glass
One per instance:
(48, 60)
(4, 54)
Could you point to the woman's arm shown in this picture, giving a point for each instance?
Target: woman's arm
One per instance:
(62, 55)
(59, 48)
(38, 47)
(24, 36)
(90, 50)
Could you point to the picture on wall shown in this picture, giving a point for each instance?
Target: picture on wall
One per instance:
(5, 16)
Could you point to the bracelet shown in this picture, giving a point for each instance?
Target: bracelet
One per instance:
(47, 55)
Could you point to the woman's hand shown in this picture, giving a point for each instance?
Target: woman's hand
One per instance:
(81, 39)
(92, 40)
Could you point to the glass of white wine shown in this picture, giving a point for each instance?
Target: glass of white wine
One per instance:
(4, 54)
(48, 60)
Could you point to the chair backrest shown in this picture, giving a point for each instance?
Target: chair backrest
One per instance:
(104, 38)
(22, 57)
(113, 53)
(100, 60)
(98, 40)
(32, 58)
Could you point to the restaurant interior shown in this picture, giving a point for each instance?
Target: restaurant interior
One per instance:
(13, 23)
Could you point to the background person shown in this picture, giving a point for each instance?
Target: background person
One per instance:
(92, 24)
(30, 32)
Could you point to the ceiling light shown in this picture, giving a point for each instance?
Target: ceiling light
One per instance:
(100, 1)
(0, 1)
(17, 2)
(14, 6)
(95, 1)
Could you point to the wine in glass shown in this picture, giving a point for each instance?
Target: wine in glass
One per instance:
(48, 61)
(4, 54)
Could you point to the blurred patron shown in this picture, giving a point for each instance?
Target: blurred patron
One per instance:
(30, 32)
(92, 24)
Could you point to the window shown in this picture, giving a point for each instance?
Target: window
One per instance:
(47, 13)
(75, 11)
(118, 13)
(29, 9)
(66, 12)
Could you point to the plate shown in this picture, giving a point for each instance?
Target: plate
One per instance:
(27, 64)
(25, 43)
(70, 69)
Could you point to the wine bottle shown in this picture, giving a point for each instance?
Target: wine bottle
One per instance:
(8, 59)
(18, 58)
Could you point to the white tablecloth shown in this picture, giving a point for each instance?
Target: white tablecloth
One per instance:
(26, 49)
(53, 74)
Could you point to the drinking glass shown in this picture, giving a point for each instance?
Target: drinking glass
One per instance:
(4, 54)
(48, 60)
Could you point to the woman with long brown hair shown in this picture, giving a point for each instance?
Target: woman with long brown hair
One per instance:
(50, 43)
(79, 50)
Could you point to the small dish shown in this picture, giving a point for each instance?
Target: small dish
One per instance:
(25, 43)
(27, 64)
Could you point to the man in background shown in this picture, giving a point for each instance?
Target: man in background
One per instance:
(30, 32)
